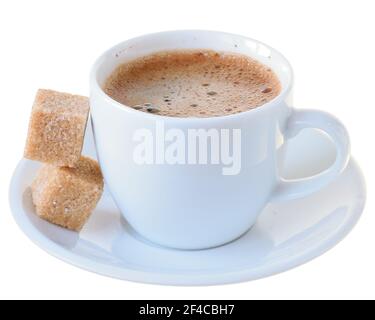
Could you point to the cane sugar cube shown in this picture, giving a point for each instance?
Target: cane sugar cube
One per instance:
(56, 128)
(67, 196)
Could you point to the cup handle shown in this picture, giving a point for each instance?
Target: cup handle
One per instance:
(303, 119)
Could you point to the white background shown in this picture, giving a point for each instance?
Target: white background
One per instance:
(51, 44)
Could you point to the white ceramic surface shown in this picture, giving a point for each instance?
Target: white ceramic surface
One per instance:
(285, 235)
(196, 206)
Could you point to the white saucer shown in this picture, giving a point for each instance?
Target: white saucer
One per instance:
(285, 236)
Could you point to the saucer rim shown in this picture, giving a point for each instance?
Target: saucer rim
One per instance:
(182, 278)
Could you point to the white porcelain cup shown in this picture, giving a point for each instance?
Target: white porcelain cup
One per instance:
(196, 206)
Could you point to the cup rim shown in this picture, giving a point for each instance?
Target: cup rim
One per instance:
(94, 85)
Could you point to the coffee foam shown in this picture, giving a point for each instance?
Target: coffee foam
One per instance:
(193, 83)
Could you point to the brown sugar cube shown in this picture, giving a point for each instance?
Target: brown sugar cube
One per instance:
(67, 196)
(57, 127)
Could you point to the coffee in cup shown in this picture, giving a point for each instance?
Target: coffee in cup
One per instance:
(193, 83)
